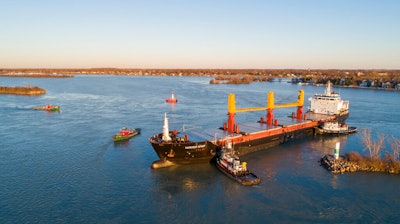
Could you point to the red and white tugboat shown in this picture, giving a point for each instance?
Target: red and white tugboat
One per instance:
(229, 164)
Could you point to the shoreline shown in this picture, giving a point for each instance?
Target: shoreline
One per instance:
(387, 80)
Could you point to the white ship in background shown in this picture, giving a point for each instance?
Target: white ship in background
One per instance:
(329, 103)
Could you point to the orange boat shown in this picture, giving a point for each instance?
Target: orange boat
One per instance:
(172, 99)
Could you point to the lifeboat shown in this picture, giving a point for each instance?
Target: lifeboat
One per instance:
(172, 99)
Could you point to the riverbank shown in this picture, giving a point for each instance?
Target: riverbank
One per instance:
(20, 90)
(353, 162)
(301, 74)
(377, 79)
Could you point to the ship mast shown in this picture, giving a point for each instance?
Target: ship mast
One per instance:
(328, 90)
(165, 136)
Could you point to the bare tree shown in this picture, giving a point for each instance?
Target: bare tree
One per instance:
(366, 139)
(378, 145)
(373, 146)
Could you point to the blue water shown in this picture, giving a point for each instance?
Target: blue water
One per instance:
(65, 168)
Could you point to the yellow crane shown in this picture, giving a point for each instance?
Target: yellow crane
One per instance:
(269, 108)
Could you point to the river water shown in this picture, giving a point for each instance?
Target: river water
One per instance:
(65, 168)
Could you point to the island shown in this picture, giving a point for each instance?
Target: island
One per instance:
(20, 90)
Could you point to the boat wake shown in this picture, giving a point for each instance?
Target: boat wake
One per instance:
(103, 149)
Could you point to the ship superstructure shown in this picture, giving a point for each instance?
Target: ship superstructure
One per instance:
(329, 103)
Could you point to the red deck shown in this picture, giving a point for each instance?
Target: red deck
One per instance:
(254, 130)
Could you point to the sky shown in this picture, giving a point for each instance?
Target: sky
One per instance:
(203, 34)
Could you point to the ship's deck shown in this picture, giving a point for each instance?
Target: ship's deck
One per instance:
(251, 127)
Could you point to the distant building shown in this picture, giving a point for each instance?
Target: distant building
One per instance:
(365, 83)
(386, 85)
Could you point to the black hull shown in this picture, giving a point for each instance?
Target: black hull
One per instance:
(255, 145)
(202, 152)
(185, 152)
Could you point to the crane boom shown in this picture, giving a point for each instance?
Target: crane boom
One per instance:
(270, 104)
(269, 108)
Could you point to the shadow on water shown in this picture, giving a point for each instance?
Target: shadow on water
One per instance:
(122, 143)
(185, 178)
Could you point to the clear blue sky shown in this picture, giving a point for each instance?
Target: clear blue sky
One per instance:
(320, 34)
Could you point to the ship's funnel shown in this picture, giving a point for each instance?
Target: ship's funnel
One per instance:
(165, 135)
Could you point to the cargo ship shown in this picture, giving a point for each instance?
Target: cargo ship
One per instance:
(180, 147)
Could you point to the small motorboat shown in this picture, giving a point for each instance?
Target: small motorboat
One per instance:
(334, 128)
(125, 134)
(48, 107)
(228, 163)
(172, 99)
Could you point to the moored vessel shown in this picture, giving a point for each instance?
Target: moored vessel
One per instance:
(125, 134)
(228, 162)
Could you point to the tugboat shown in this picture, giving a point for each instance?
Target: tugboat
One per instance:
(125, 134)
(175, 147)
(329, 103)
(228, 163)
(48, 107)
(334, 128)
(172, 99)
